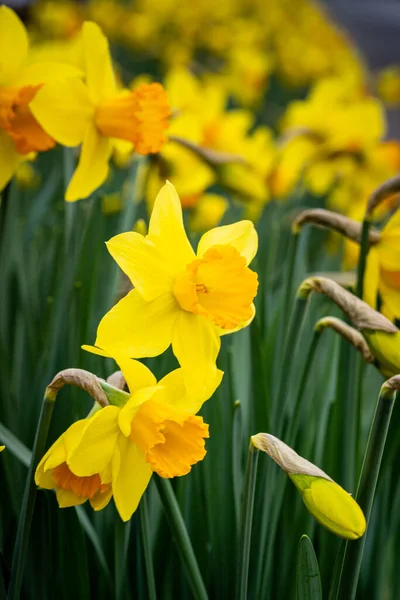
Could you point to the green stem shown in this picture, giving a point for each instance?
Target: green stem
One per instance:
(291, 260)
(181, 536)
(362, 261)
(246, 524)
(122, 532)
(148, 559)
(366, 489)
(293, 425)
(296, 321)
(28, 501)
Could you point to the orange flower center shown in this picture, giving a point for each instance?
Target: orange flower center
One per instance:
(141, 117)
(17, 120)
(171, 445)
(219, 286)
(84, 487)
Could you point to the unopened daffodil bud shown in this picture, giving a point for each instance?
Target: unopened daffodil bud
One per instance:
(329, 503)
(2, 448)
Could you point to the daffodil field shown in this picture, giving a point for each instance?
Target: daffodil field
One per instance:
(199, 304)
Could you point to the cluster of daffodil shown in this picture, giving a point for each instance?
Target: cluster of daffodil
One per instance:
(296, 40)
(44, 102)
(182, 298)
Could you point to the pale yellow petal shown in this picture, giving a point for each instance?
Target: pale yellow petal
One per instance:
(131, 407)
(47, 72)
(142, 262)
(99, 72)
(241, 235)
(92, 169)
(64, 111)
(196, 344)
(174, 391)
(9, 159)
(94, 451)
(167, 232)
(131, 476)
(100, 501)
(66, 498)
(13, 45)
(137, 328)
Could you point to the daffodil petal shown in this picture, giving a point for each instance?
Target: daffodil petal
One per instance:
(136, 374)
(47, 72)
(131, 407)
(389, 250)
(131, 476)
(142, 262)
(138, 328)
(99, 72)
(196, 344)
(241, 235)
(92, 169)
(167, 232)
(66, 498)
(174, 391)
(9, 159)
(13, 45)
(64, 110)
(100, 501)
(94, 451)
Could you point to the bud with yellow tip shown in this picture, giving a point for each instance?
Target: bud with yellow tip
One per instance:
(329, 503)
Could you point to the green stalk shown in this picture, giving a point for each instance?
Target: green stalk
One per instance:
(367, 486)
(289, 352)
(28, 501)
(293, 425)
(291, 260)
(362, 261)
(148, 559)
(246, 524)
(181, 536)
(122, 532)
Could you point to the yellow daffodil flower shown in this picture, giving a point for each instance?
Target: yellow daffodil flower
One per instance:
(20, 81)
(181, 298)
(115, 452)
(94, 113)
(386, 349)
(383, 269)
(2, 448)
(53, 472)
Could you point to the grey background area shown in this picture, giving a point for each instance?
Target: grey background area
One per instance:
(374, 26)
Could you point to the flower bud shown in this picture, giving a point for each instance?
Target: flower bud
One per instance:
(329, 503)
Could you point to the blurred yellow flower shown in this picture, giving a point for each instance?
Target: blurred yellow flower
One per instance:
(382, 273)
(95, 113)
(20, 81)
(181, 298)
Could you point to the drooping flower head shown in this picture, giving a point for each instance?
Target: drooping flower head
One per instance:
(180, 297)
(20, 133)
(115, 451)
(95, 113)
